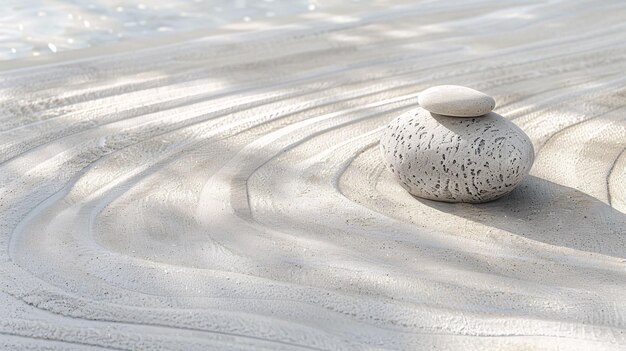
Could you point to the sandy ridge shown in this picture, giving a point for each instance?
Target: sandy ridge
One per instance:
(208, 194)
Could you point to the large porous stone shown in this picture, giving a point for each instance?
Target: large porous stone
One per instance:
(456, 100)
(456, 159)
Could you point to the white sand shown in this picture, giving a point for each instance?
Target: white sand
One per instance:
(227, 192)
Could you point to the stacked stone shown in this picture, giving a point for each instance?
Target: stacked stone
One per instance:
(455, 149)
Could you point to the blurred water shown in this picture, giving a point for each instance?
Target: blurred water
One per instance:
(45, 27)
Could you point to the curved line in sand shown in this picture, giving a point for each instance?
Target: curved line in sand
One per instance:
(163, 197)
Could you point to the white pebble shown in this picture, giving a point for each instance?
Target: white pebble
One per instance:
(456, 100)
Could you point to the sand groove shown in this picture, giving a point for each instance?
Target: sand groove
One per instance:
(227, 192)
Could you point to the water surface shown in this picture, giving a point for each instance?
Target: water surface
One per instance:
(36, 27)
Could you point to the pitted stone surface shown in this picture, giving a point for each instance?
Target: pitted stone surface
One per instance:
(456, 159)
(456, 100)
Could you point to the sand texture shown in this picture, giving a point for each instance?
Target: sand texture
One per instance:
(227, 192)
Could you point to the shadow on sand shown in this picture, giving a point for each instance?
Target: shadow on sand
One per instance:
(550, 213)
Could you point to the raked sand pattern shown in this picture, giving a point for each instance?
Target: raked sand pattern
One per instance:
(228, 192)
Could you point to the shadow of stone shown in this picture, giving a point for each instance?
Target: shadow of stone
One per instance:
(547, 212)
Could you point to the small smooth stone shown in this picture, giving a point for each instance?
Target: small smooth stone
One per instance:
(456, 100)
(456, 159)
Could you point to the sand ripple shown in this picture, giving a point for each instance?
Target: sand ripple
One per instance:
(227, 192)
